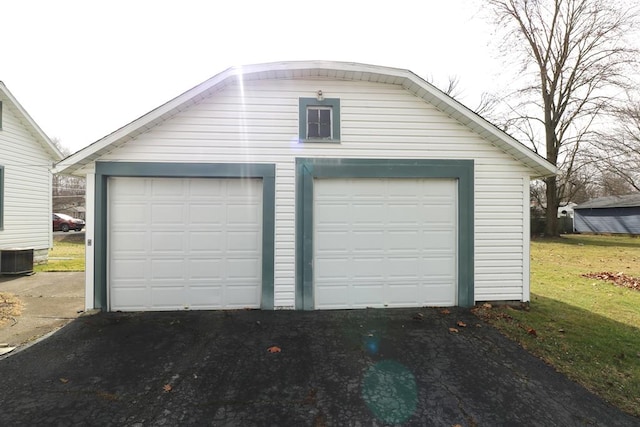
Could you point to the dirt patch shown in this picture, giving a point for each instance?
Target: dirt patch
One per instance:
(10, 307)
(619, 279)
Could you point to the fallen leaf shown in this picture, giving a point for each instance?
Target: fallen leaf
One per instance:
(274, 349)
(445, 311)
(532, 332)
(487, 306)
(461, 324)
(418, 316)
(167, 388)
(64, 380)
(453, 330)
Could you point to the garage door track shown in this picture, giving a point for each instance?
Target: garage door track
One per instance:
(364, 367)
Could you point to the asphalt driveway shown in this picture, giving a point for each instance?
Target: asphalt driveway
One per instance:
(367, 367)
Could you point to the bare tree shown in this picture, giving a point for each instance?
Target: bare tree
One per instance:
(68, 191)
(574, 60)
(620, 151)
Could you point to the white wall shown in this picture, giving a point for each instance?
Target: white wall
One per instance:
(27, 186)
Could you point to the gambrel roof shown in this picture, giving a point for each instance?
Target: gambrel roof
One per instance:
(314, 69)
(12, 104)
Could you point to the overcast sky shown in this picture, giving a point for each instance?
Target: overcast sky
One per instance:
(83, 69)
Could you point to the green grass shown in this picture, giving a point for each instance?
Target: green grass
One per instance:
(587, 329)
(67, 254)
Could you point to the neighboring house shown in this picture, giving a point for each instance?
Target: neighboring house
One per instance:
(27, 157)
(611, 214)
(307, 185)
(566, 211)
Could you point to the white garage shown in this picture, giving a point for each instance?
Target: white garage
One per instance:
(184, 243)
(303, 186)
(384, 242)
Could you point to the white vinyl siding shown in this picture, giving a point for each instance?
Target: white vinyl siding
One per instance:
(27, 186)
(258, 123)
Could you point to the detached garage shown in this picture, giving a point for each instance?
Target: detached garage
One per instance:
(307, 185)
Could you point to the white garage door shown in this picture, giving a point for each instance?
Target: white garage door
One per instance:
(384, 243)
(179, 243)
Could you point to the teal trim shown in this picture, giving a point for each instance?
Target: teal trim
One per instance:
(105, 170)
(334, 103)
(309, 169)
(1, 197)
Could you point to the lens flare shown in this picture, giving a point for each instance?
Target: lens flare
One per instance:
(389, 390)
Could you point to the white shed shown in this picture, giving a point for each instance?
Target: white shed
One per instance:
(27, 157)
(307, 185)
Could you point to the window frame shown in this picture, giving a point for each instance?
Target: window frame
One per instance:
(332, 104)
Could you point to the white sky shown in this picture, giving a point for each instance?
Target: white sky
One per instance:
(83, 69)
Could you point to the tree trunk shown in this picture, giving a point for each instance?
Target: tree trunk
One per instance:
(551, 227)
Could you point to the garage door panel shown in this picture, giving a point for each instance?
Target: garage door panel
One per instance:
(243, 268)
(332, 295)
(131, 242)
(241, 296)
(395, 237)
(167, 269)
(128, 298)
(240, 241)
(167, 188)
(244, 214)
(129, 214)
(167, 242)
(205, 241)
(195, 241)
(166, 297)
(208, 215)
(129, 269)
(167, 215)
(437, 240)
(366, 294)
(204, 297)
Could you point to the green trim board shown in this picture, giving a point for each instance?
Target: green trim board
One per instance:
(334, 103)
(105, 170)
(1, 197)
(309, 169)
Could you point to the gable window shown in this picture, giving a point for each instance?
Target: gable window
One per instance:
(319, 120)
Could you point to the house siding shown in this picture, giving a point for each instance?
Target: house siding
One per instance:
(257, 122)
(27, 188)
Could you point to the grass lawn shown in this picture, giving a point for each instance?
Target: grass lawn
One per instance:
(588, 329)
(67, 254)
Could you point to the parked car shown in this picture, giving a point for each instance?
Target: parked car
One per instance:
(62, 222)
